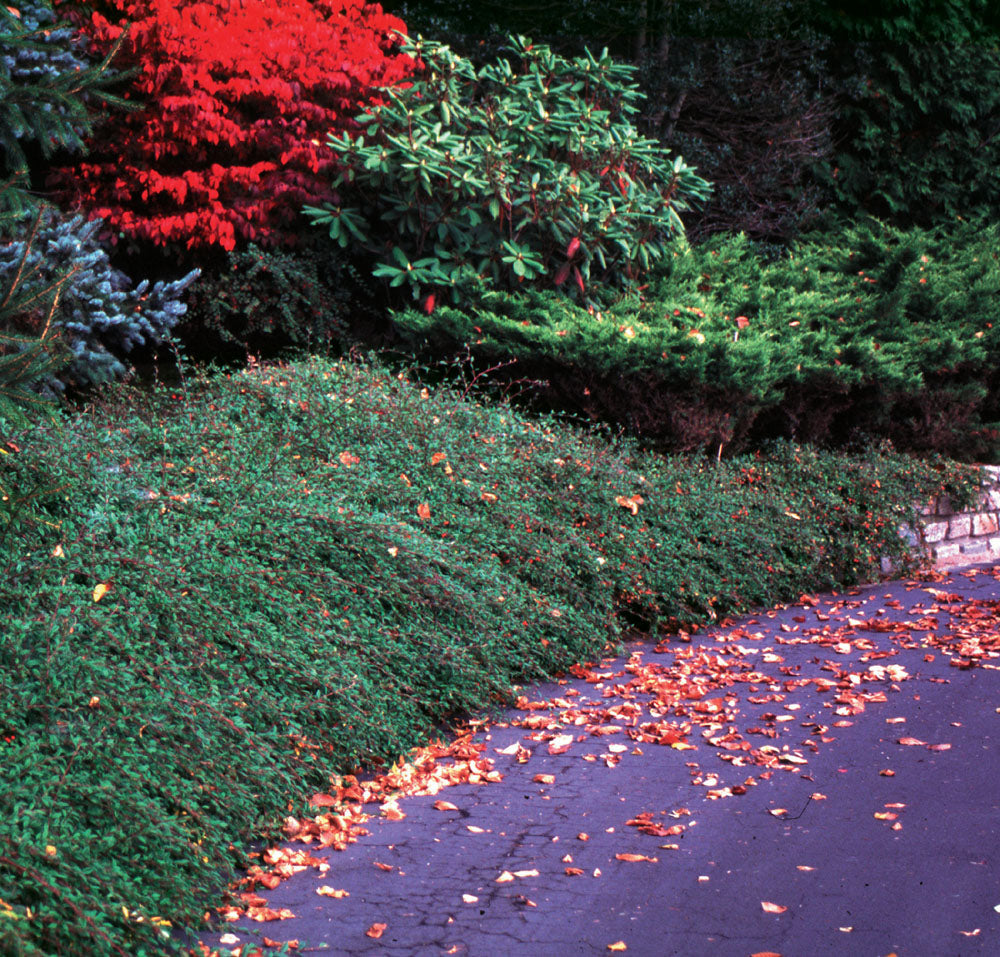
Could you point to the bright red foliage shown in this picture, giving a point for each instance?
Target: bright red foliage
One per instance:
(238, 97)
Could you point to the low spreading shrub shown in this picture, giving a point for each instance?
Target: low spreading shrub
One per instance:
(519, 174)
(250, 582)
(874, 330)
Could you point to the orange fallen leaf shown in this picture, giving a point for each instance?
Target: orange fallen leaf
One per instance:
(778, 811)
(290, 944)
(474, 829)
(505, 878)
(323, 800)
(444, 806)
(544, 779)
(632, 858)
(438, 457)
(423, 511)
(528, 873)
(574, 871)
(766, 953)
(327, 891)
(383, 867)
(888, 773)
(618, 945)
(770, 908)
(583, 836)
(348, 459)
(911, 742)
(939, 747)
(560, 743)
(376, 931)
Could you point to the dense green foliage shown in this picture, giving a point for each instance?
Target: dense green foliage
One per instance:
(519, 174)
(263, 300)
(306, 568)
(875, 332)
(919, 133)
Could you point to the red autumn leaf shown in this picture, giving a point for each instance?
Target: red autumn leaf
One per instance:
(574, 245)
(561, 274)
(376, 931)
(579, 278)
(429, 304)
(423, 511)
(742, 322)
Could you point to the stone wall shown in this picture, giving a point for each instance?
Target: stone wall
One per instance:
(964, 538)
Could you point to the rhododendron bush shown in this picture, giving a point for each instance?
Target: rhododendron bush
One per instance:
(239, 96)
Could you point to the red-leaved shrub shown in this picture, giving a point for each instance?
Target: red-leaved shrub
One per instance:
(238, 98)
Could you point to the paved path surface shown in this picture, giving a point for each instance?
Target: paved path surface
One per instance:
(821, 778)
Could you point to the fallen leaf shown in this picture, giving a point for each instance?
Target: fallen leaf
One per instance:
(99, 591)
(290, 944)
(423, 511)
(383, 867)
(444, 806)
(970, 933)
(474, 829)
(323, 800)
(766, 953)
(544, 779)
(528, 873)
(911, 742)
(560, 743)
(770, 908)
(804, 867)
(777, 811)
(505, 878)
(633, 858)
(582, 836)
(939, 747)
(469, 898)
(348, 459)
(574, 871)
(376, 931)
(888, 773)
(618, 945)
(327, 891)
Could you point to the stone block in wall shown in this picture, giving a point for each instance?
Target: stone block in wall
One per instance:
(959, 526)
(974, 549)
(993, 497)
(935, 531)
(944, 553)
(984, 524)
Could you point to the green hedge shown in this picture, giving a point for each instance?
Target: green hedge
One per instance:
(235, 588)
(875, 332)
